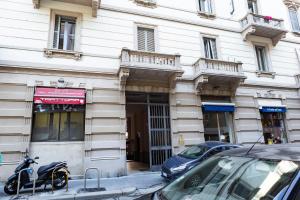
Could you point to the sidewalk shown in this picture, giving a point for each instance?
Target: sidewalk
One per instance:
(133, 186)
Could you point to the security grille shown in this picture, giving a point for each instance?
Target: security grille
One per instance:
(160, 134)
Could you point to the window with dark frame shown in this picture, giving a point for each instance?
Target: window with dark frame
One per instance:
(261, 56)
(54, 123)
(64, 32)
(210, 48)
(205, 6)
(252, 6)
(294, 19)
(146, 39)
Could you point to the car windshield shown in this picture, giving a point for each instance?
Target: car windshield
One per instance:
(232, 178)
(194, 152)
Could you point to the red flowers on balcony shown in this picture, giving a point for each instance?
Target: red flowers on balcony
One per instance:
(268, 18)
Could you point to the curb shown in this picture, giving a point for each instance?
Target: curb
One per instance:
(90, 195)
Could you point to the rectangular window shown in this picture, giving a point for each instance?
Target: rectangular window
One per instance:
(146, 39)
(64, 32)
(294, 20)
(210, 48)
(58, 123)
(252, 6)
(261, 56)
(205, 6)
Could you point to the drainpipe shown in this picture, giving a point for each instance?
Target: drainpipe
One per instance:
(233, 8)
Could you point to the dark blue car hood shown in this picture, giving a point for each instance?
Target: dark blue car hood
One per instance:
(176, 161)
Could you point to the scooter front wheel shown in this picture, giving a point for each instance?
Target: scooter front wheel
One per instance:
(11, 187)
(60, 180)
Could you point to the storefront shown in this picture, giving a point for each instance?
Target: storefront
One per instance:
(58, 115)
(58, 126)
(218, 120)
(272, 118)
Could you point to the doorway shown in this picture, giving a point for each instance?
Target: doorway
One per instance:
(148, 136)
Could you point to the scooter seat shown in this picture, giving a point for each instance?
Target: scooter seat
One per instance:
(44, 168)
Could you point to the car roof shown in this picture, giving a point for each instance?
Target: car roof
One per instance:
(272, 152)
(214, 143)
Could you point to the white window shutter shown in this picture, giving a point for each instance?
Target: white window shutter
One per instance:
(150, 40)
(141, 37)
(146, 39)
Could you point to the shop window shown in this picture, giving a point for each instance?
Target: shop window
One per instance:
(210, 48)
(262, 60)
(252, 6)
(58, 123)
(218, 126)
(294, 20)
(273, 128)
(145, 39)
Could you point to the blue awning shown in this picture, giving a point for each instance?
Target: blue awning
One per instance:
(218, 108)
(270, 109)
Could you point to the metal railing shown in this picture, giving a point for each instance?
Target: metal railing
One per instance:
(261, 20)
(218, 66)
(19, 179)
(98, 176)
(64, 169)
(134, 57)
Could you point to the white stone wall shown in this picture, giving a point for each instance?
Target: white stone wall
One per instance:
(24, 33)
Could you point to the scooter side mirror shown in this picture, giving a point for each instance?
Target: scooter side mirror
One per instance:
(36, 158)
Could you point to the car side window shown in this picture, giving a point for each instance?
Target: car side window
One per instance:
(214, 151)
(295, 194)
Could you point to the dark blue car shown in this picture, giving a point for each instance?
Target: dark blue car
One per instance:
(192, 156)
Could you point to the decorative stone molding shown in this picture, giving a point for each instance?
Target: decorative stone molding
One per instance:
(292, 4)
(146, 3)
(57, 53)
(36, 4)
(95, 6)
(200, 81)
(123, 75)
(265, 74)
(174, 78)
(207, 14)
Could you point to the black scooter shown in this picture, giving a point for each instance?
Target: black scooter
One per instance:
(44, 176)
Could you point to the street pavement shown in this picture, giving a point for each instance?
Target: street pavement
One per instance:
(122, 188)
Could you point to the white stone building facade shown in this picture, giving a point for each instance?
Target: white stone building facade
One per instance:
(97, 83)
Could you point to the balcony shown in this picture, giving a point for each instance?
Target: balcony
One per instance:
(94, 4)
(218, 76)
(264, 26)
(150, 67)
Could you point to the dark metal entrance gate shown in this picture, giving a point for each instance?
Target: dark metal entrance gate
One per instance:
(159, 131)
(160, 147)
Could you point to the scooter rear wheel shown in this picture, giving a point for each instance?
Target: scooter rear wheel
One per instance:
(60, 180)
(11, 187)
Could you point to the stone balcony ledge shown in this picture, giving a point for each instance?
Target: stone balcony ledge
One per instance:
(213, 73)
(263, 26)
(139, 67)
(150, 60)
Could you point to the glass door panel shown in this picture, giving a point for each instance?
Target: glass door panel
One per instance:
(211, 129)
